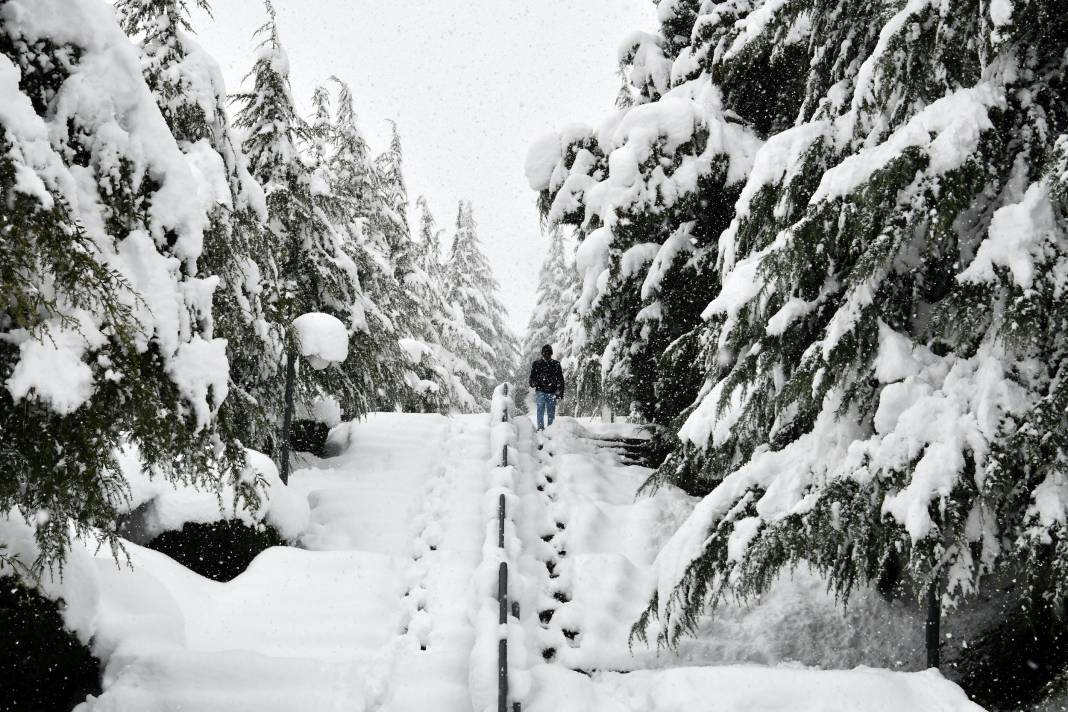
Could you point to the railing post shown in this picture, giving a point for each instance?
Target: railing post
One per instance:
(502, 644)
(500, 521)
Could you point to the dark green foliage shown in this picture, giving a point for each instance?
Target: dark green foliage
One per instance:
(43, 666)
(309, 436)
(1013, 664)
(219, 550)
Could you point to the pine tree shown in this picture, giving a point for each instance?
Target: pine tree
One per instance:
(316, 274)
(386, 367)
(434, 319)
(181, 76)
(886, 354)
(478, 335)
(104, 315)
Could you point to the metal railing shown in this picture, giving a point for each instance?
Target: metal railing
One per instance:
(502, 591)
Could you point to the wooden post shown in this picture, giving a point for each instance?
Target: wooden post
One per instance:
(287, 417)
(932, 627)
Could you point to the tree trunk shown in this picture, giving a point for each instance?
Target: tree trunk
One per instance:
(287, 418)
(933, 624)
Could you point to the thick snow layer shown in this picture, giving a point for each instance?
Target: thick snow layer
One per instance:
(373, 613)
(1001, 12)
(612, 539)
(542, 158)
(323, 339)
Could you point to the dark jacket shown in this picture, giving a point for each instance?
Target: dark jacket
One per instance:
(546, 376)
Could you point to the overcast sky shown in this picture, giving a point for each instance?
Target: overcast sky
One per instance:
(471, 83)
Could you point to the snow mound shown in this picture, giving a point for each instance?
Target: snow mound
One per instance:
(323, 339)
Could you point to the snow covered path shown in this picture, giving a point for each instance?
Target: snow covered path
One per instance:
(374, 614)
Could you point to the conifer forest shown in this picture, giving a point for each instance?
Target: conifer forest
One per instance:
(599, 356)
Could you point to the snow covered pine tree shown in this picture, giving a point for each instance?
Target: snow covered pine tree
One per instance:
(649, 192)
(317, 276)
(422, 378)
(481, 338)
(884, 363)
(189, 90)
(106, 321)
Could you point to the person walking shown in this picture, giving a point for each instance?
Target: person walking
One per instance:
(547, 380)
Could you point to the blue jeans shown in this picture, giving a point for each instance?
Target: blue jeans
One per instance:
(546, 403)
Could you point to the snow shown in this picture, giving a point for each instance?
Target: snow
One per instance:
(201, 371)
(1001, 12)
(787, 314)
(948, 130)
(1017, 239)
(680, 243)
(542, 158)
(323, 339)
(747, 689)
(637, 257)
(51, 366)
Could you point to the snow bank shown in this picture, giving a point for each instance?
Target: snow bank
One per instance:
(323, 339)
(736, 688)
(78, 586)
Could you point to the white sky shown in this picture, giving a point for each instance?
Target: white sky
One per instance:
(471, 83)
